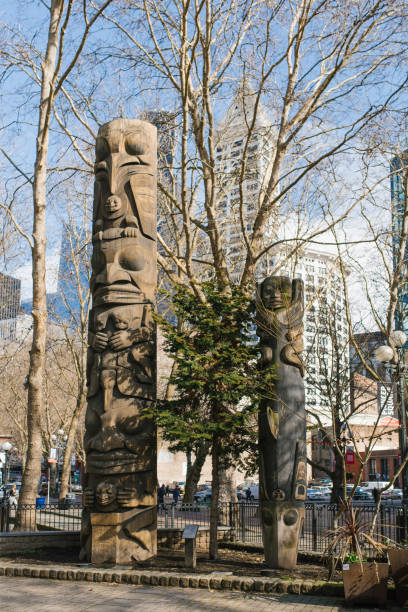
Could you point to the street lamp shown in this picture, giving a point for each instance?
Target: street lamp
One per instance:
(59, 440)
(395, 359)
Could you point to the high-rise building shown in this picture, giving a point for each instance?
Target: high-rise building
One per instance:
(10, 290)
(165, 122)
(231, 139)
(73, 276)
(326, 332)
(399, 193)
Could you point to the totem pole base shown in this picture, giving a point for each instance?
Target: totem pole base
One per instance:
(282, 526)
(121, 538)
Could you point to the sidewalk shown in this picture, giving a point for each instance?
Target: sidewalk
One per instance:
(33, 595)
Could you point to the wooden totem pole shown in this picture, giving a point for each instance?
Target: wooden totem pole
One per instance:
(120, 518)
(282, 420)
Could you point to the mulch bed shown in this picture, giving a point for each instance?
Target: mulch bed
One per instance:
(240, 563)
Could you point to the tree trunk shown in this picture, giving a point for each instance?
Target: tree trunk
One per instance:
(66, 468)
(35, 402)
(338, 478)
(194, 473)
(215, 487)
(227, 494)
(53, 479)
(228, 485)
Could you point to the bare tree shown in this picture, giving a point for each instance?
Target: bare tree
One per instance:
(49, 72)
(303, 67)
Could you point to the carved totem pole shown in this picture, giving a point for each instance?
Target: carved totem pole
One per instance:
(120, 521)
(282, 420)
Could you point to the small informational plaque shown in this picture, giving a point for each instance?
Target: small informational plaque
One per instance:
(346, 566)
(190, 532)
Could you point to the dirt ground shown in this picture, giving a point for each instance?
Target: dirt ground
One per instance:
(240, 563)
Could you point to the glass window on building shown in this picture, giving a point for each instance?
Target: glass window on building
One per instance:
(372, 469)
(384, 469)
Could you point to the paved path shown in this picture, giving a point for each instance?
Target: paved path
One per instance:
(34, 595)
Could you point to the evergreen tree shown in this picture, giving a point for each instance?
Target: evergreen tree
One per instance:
(217, 379)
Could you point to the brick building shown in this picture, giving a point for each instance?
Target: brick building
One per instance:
(368, 424)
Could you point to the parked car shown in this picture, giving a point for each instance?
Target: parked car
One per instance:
(325, 492)
(202, 497)
(376, 484)
(315, 494)
(68, 502)
(396, 494)
(360, 494)
(203, 487)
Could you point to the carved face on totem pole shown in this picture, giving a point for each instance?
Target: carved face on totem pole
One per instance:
(120, 442)
(124, 213)
(276, 292)
(282, 419)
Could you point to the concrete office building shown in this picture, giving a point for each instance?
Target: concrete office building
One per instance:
(10, 291)
(325, 326)
(399, 183)
(231, 136)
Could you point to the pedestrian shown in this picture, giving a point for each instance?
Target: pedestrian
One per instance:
(248, 494)
(167, 490)
(160, 495)
(176, 493)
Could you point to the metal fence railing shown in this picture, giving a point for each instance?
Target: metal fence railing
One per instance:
(241, 521)
(44, 517)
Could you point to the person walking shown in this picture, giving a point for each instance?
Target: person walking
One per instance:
(160, 495)
(176, 494)
(248, 494)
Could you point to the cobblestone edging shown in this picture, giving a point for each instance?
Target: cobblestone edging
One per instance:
(167, 579)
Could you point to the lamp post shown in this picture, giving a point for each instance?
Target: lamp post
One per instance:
(395, 360)
(58, 441)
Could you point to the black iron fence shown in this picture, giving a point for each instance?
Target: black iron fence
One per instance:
(240, 522)
(44, 517)
(243, 521)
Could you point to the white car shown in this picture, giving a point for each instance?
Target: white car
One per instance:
(396, 494)
(203, 497)
(315, 494)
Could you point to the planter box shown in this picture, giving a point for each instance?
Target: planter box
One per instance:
(368, 585)
(399, 570)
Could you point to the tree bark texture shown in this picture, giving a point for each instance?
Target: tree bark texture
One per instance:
(194, 473)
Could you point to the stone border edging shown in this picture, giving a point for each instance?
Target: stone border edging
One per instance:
(167, 579)
(173, 579)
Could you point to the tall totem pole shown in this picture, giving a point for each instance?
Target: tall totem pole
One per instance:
(120, 519)
(282, 420)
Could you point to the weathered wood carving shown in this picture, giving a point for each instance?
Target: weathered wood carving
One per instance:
(119, 524)
(282, 420)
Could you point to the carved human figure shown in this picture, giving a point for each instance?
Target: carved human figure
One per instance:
(115, 218)
(120, 442)
(282, 419)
